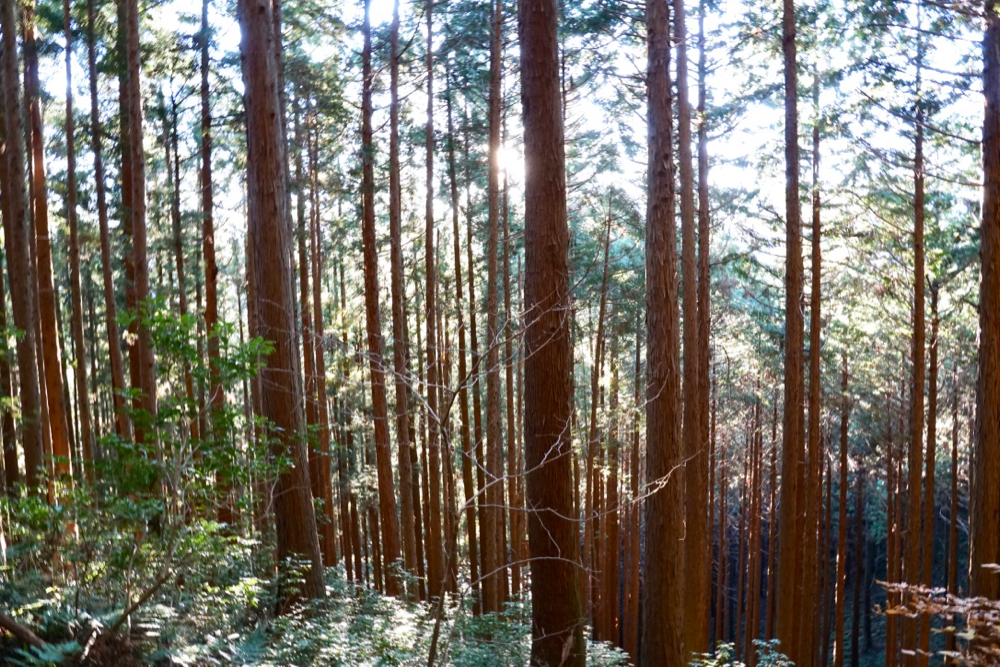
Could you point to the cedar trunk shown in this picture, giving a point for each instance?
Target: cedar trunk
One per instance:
(557, 615)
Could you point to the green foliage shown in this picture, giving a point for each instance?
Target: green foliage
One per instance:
(725, 656)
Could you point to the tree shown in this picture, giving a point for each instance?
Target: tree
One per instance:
(697, 586)
(80, 373)
(400, 351)
(492, 527)
(281, 389)
(16, 241)
(58, 426)
(793, 489)
(985, 533)
(435, 566)
(136, 208)
(380, 409)
(557, 616)
(122, 424)
(662, 604)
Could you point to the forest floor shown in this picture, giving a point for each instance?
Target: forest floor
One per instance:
(226, 626)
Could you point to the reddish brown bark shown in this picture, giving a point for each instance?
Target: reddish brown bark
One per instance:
(57, 418)
(79, 348)
(838, 647)
(557, 615)
(281, 391)
(136, 185)
(435, 567)
(400, 351)
(380, 409)
(985, 503)
(663, 600)
(793, 480)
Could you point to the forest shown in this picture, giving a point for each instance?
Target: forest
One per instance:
(483, 332)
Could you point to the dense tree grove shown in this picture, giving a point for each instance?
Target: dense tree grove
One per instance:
(486, 332)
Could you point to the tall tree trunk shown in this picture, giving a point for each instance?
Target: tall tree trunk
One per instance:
(468, 481)
(80, 353)
(609, 573)
(12, 474)
(493, 557)
(514, 463)
(383, 453)
(814, 453)
(985, 503)
(216, 392)
(663, 607)
(557, 614)
(927, 574)
(400, 351)
(632, 584)
(303, 144)
(327, 526)
(593, 444)
(696, 584)
(122, 425)
(859, 567)
(914, 504)
(16, 244)
(172, 161)
(137, 207)
(952, 583)
(435, 568)
(281, 391)
(57, 419)
(828, 585)
(838, 648)
(772, 526)
(704, 294)
(892, 489)
(793, 485)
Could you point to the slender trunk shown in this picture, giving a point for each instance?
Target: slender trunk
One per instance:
(327, 526)
(400, 353)
(632, 636)
(815, 469)
(859, 567)
(122, 426)
(772, 526)
(914, 505)
(435, 570)
(12, 475)
(741, 562)
(557, 613)
(80, 372)
(828, 585)
(704, 292)
(952, 583)
(927, 574)
(216, 393)
(838, 648)
(591, 515)
(696, 584)
(172, 161)
(793, 487)
(514, 467)
(137, 208)
(281, 391)
(890, 537)
(383, 455)
(57, 419)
